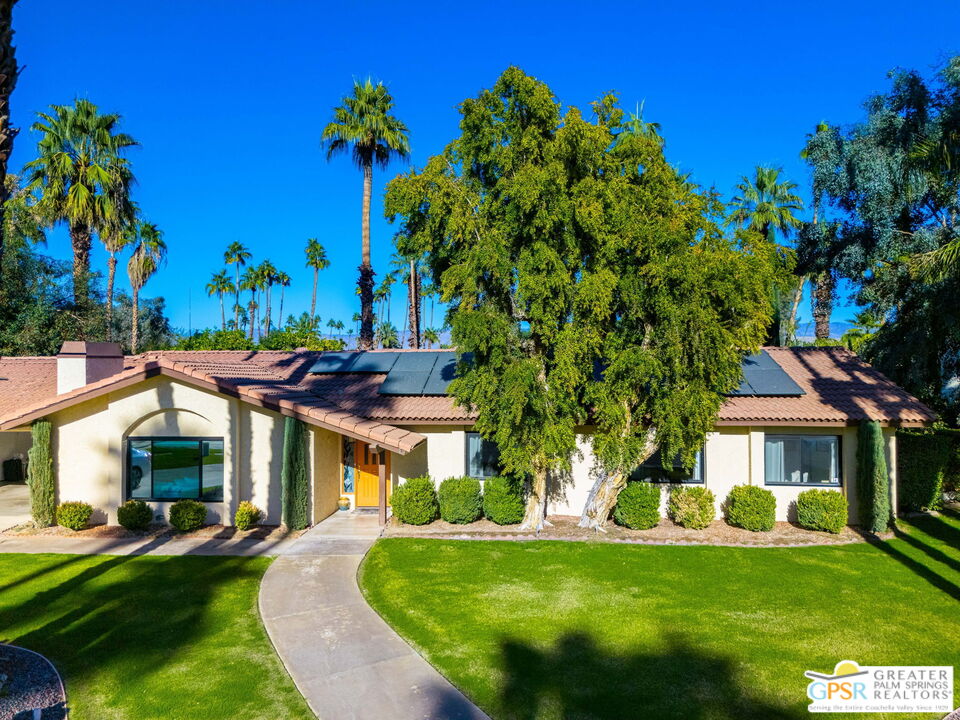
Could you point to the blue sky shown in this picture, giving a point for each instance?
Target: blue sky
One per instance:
(228, 100)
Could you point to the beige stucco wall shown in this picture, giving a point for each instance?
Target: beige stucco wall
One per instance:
(89, 447)
(13, 445)
(325, 446)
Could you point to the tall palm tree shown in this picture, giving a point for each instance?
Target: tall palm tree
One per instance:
(250, 281)
(766, 204)
(221, 284)
(407, 268)
(316, 259)
(332, 324)
(236, 254)
(363, 125)
(636, 125)
(283, 280)
(8, 81)
(115, 236)
(149, 253)
(431, 337)
(268, 276)
(81, 177)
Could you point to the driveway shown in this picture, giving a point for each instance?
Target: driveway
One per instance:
(14, 504)
(343, 657)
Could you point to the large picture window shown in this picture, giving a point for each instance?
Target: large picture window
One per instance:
(483, 457)
(654, 470)
(801, 460)
(175, 468)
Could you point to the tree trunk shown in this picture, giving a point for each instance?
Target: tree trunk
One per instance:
(253, 319)
(266, 322)
(313, 296)
(280, 314)
(8, 81)
(797, 297)
(535, 516)
(223, 316)
(601, 500)
(135, 320)
(413, 293)
(80, 242)
(822, 304)
(236, 304)
(111, 274)
(366, 269)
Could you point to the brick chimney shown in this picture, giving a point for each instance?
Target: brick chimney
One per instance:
(81, 363)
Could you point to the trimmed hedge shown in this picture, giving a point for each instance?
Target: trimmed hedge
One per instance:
(873, 482)
(928, 462)
(751, 508)
(247, 515)
(294, 480)
(503, 500)
(822, 510)
(460, 500)
(188, 515)
(74, 515)
(40, 478)
(692, 507)
(134, 515)
(638, 506)
(415, 502)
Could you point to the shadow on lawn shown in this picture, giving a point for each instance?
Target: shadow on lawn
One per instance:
(576, 680)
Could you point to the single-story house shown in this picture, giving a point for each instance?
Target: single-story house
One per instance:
(209, 425)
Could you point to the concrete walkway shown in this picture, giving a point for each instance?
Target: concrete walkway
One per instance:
(347, 662)
(14, 504)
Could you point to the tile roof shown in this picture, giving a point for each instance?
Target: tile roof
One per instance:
(839, 389)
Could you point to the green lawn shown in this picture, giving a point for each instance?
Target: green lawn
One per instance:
(573, 630)
(149, 637)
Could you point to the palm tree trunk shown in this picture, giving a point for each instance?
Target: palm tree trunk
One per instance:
(223, 317)
(111, 273)
(413, 309)
(280, 314)
(8, 81)
(135, 320)
(313, 296)
(269, 307)
(80, 242)
(236, 304)
(252, 319)
(365, 282)
(822, 305)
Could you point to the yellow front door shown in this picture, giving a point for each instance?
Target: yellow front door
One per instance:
(368, 475)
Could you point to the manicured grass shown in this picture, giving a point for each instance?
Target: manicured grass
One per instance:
(573, 630)
(149, 637)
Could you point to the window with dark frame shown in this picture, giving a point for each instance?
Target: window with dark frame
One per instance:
(169, 469)
(801, 460)
(653, 470)
(483, 457)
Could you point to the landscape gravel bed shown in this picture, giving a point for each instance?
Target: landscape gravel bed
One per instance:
(31, 682)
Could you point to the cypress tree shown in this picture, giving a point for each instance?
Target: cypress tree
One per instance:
(295, 492)
(873, 483)
(40, 475)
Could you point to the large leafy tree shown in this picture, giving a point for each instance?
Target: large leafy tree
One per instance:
(364, 126)
(81, 177)
(888, 190)
(149, 253)
(587, 282)
(316, 260)
(767, 204)
(9, 71)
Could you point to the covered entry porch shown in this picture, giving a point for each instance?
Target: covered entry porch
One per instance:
(364, 476)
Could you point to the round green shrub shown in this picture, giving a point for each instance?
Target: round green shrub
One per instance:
(134, 515)
(460, 500)
(247, 515)
(692, 507)
(415, 502)
(74, 515)
(638, 506)
(822, 510)
(503, 500)
(188, 515)
(751, 508)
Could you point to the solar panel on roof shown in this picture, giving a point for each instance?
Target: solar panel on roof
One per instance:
(403, 382)
(415, 362)
(763, 376)
(441, 375)
(334, 362)
(374, 362)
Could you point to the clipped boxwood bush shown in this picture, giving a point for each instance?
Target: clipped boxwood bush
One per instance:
(415, 502)
(822, 510)
(460, 500)
(188, 515)
(74, 515)
(503, 500)
(692, 507)
(751, 508)
(638, 506)
(134, 515)
(247, 515)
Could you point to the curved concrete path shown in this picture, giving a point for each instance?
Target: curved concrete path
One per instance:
(345, 660)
